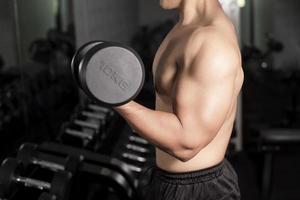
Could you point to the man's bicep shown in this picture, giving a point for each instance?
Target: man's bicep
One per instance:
(198, 102)
(202, 101)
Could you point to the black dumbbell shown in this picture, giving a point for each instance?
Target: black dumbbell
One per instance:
(134, 157)
(136, 148)
(133, 154)
(138, 140)
(94, 113)
(76, 136)
(78, 57)
(131, 158)
(93, 120)
(86, 123)
(80, 134)
(10, 177)
(29, 154)
(109, 73)
(109, 113)
(98, 108)
(134, 162)
(134, 168)
(134, 165)
(101, 117)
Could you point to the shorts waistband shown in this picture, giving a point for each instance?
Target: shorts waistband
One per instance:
(192, 177)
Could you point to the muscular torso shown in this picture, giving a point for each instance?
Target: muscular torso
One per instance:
(165, 72)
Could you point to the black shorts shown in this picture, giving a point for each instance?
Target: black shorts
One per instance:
(215, 183)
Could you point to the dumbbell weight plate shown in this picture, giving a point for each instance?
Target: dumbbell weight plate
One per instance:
(60, 185)
(110, 73)
(8, 171)
(26, 153)
(78, 57)
(73, 163)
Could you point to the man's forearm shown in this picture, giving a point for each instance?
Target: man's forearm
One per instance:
(162, 129)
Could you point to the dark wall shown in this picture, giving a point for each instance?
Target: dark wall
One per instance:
(105, 20)
(285, 27)
(8, 46)
(150, 13)
(35, 24)
(281, 19)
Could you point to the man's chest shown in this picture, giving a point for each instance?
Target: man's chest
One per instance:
(165, 69)
(166, 64)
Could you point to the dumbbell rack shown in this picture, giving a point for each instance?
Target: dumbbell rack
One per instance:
(130, 154)
(112, 167)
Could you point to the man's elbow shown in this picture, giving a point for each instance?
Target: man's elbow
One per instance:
(190, 149)
(186, 154)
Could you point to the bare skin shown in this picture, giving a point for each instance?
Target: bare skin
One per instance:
(198, 76)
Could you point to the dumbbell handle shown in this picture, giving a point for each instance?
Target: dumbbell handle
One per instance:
(136, 148)
(137, 139)
(99, 108)
(28, 182)
(93, 115)
(80, 134)
(86, 124)
(134, 157)
(134, 168)
(48, 165)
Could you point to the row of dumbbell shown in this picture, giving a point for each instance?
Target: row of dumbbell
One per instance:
(55, 171)
(87, 127)
(36, 172)
(134, 154)
(130, 148)
(135, 151)
(132, 151)
(70, 168)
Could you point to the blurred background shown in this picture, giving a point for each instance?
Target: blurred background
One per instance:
(41, 104)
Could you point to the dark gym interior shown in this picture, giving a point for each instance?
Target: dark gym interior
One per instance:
(72, 147)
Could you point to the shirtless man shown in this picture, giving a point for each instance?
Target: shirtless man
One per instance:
(198, 76)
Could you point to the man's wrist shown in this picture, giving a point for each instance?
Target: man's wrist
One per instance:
(124, 107)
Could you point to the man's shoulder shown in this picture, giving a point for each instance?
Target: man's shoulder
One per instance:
(212, 50)
(212, 37)
(213, 43)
